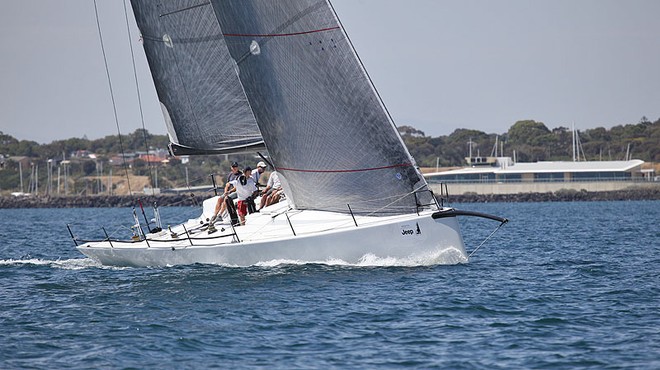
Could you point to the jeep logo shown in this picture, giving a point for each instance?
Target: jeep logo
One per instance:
(408, 230)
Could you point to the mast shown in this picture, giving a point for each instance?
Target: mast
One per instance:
(573, 140)
(20, 174)
(470, 149)
(49, 185)
(110, 181)
(495, 147)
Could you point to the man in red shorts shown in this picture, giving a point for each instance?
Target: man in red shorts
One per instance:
(245, 187)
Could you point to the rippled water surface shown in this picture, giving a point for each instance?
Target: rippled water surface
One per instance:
(563, 285)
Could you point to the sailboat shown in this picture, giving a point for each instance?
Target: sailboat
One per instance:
(283, 76)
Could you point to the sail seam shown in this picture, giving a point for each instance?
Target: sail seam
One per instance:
(344, 171)
(278, 34)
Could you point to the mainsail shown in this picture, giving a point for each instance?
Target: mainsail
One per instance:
(289, 65)
(205, 108)
(325, 127)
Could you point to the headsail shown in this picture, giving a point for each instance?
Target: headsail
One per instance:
(203, 102)
(323, 123)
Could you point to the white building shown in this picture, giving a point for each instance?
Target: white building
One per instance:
(502, 176)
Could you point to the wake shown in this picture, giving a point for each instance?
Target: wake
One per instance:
(449, 256)
(64, 264)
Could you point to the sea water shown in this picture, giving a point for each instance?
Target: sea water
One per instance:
(563, 285)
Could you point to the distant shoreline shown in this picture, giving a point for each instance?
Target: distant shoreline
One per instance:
(101, 201)
(561, 196)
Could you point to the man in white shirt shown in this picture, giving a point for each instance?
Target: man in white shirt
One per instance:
(245, 186)
(271, 193)
(261, 167)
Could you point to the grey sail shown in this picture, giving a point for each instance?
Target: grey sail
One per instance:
(203, 102)
(325, 127)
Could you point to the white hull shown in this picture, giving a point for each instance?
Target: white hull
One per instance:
(269, 236)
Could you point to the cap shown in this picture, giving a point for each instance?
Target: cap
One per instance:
(234, 164)
(261, 164)
(248, 168)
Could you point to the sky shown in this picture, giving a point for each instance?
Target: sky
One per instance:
(439, 65)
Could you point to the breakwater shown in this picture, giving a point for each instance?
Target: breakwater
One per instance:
(97, 201)
(561, 196)
(188, 200)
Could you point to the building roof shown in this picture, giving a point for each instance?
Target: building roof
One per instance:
(549, 167)
(151, 158)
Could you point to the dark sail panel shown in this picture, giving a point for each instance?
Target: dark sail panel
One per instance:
(323, 123)
(203, 102)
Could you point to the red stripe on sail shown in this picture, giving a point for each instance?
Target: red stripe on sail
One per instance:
(343, 171)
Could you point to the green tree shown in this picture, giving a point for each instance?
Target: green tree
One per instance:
(89, 167)
(528, 132)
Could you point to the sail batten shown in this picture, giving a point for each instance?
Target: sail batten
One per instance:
(279, 34)
(185, 9)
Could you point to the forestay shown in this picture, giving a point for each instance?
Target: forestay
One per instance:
(204, 105)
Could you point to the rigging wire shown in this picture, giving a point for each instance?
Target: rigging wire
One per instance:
(364, 69)
(192, 194)
(112, 96)
(137, 89)
(380, 99)
(485, 240)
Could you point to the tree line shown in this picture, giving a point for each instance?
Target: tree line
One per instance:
(533, 141)
(109, 145)
(530, 140)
